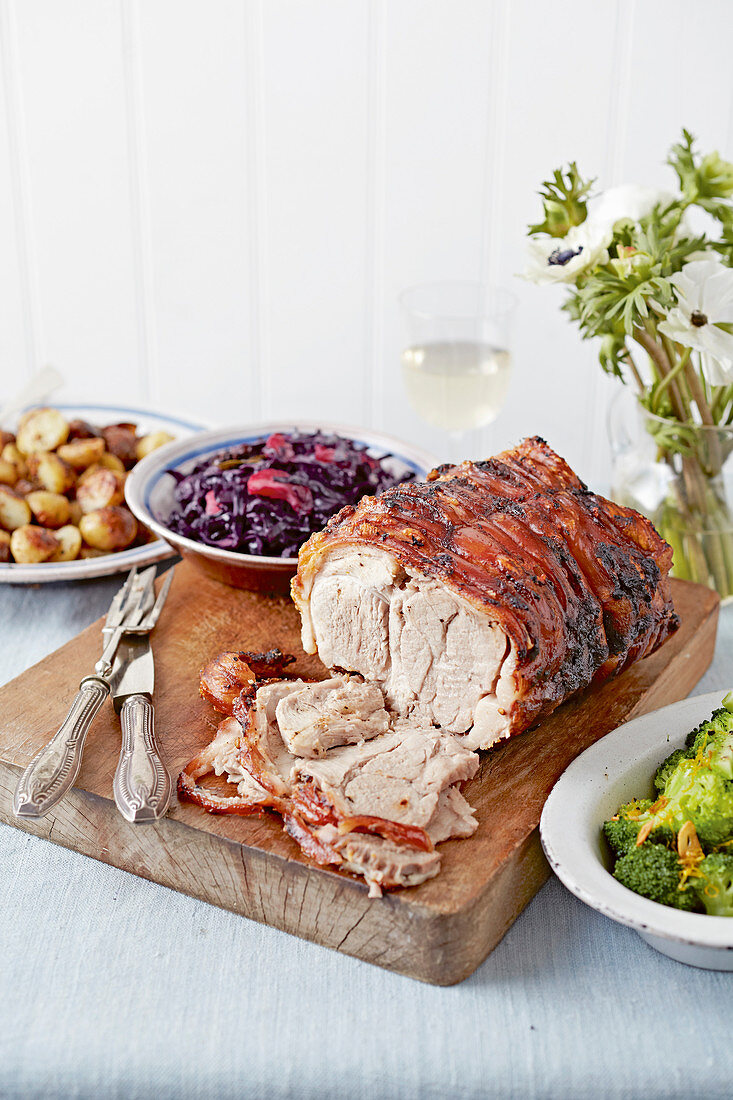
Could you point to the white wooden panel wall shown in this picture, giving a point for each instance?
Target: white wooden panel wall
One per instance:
(211, 205)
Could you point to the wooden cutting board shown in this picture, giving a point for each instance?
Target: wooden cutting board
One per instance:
(438, 932)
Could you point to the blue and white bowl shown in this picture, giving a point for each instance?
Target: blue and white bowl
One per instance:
(149, 491)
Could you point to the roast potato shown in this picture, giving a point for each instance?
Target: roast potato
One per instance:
(42, 430)
(8, 472)
(14, 511)
(24, 486)
(121, 440)
(110, 528)
(69, 538)
(100, 490)
(81, 453)
(10, 453)
(49, 509)
(62, 487)
(82, 429)
(51, 472)
(30, 545)
(104, 462)
(151, 442)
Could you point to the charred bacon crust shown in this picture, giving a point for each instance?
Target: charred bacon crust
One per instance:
(202, 764)
(270, 665)
(222, 679)
(250, 753)
(189, 791)
(578, 583)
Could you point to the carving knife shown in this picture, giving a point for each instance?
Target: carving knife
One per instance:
(142, 786)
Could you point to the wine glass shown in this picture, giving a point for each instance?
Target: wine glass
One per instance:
(456, 364)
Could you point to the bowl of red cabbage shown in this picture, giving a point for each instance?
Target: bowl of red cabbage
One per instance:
(240, 502)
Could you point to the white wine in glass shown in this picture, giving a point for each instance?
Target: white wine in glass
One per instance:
(456, 363)
(457, 385)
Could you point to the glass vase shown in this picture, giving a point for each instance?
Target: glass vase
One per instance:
(681, 477)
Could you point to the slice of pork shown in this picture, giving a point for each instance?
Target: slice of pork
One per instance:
(263, 753)
(405, 777)
(453, 817)
(222, 757)
(378, 861)
(398, 776)
(437, 659)
(330, 713)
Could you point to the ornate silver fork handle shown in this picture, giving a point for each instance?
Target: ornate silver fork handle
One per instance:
(54, 769)
(142, 786)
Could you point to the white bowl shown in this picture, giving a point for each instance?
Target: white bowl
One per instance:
(149, 492)
(616, 769)
(83, 569)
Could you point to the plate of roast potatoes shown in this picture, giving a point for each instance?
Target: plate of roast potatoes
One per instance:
(62, 491)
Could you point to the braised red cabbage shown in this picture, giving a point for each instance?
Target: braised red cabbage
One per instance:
(267, 497)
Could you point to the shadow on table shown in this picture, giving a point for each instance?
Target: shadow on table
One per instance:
(558, 934)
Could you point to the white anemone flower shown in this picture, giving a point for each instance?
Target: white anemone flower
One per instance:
(627, 203)
(562, 259)
(704, 290)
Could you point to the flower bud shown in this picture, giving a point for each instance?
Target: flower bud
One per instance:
(715, 177)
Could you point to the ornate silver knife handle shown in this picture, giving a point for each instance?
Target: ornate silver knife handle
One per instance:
(54, 769)
(142, 786)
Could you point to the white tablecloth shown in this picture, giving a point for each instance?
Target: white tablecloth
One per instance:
(111, 986)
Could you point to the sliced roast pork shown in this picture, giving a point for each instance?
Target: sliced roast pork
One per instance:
(381, 807)
(482, 598)
(375, 803)
(398, 776)
(329, 713)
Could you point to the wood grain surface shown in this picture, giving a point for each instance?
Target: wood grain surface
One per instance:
(439, 931)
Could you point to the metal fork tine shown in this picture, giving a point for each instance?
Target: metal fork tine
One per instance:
(152, 617)
(115, 612)
(145, 598)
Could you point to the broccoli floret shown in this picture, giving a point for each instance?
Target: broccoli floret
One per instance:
(696, 793)
(622, 830)
(714, 886)
(712, 741)
(655, 872)
(665, 769)
(679, 849)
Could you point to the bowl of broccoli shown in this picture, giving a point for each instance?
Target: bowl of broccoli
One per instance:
(640, 827)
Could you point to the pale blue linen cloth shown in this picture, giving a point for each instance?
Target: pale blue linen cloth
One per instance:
(111, 986)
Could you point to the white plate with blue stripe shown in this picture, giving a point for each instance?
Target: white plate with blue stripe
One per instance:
(147, 420)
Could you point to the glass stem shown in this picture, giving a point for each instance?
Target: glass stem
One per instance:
(457, 445)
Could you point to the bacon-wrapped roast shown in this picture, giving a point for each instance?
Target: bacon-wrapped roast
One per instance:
(482, 598)
(462, 610)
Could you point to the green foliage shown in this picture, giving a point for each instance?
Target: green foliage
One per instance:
(625, 296)
(634, 286)
(563, 201)
(670, 435)
(714, 886)
(703, 180)
(655, 872)
(613, 354)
